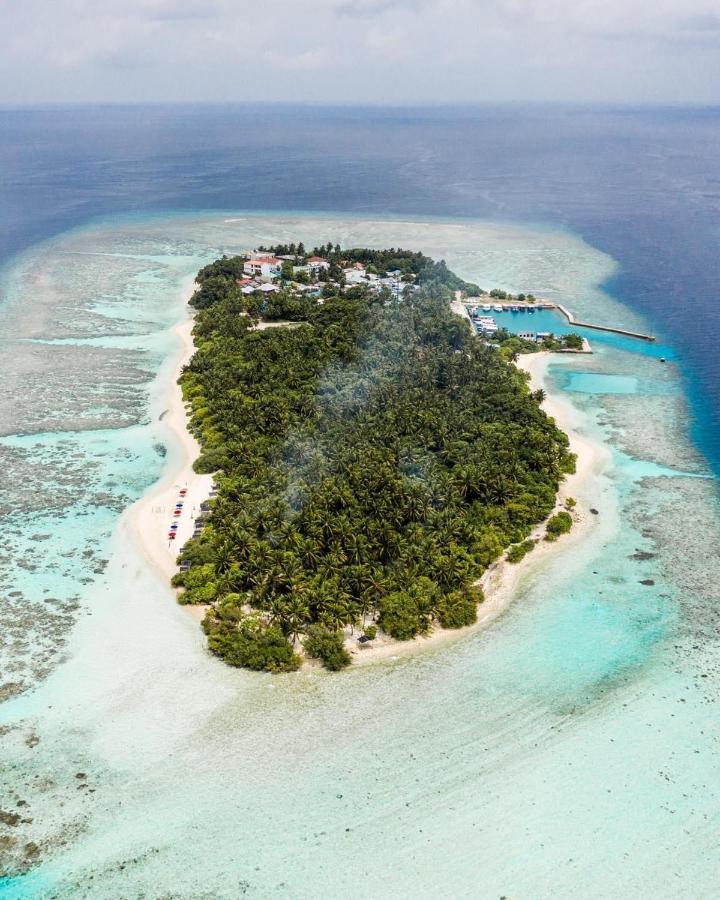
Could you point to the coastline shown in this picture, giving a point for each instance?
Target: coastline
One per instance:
(151, 515)
(149, 518)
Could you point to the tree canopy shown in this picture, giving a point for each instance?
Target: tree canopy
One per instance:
(371, 463)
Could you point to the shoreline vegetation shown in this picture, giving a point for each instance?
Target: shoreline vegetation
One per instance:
(374, 461)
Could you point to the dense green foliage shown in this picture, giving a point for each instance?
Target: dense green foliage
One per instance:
(518, 552)
(249, 642)
(558, 524)
(326, 645)
(372, 462)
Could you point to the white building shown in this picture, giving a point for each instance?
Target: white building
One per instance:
(263, 266)
(317, 262)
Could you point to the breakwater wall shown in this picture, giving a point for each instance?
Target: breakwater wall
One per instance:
(573, 321)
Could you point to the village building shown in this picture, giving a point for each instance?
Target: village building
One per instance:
(355, 275)
(317, 262)
(263, 266)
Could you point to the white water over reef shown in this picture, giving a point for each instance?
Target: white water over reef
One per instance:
(570, 749)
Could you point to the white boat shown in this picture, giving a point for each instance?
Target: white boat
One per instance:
(498, 308)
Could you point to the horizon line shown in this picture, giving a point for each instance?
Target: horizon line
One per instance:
(362, 105)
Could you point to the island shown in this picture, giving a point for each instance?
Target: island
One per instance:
(373, 455)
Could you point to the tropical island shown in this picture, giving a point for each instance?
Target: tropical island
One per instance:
(373, 456)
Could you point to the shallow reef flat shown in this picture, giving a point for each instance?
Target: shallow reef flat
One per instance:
(493, 765)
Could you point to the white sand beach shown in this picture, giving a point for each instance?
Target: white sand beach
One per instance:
(152, 516)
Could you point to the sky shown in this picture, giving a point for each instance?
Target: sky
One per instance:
(359, 51)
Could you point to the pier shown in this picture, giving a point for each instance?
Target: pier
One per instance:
(573, 321)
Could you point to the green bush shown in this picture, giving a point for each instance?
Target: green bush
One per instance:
(459, 608)
(573, 341)
(520, 551)
(558, 524)
(251, 644)
(400, 616)
(328, 646)
(370, 632)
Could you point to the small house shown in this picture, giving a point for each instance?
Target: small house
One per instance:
(317, 262)
(263, 266)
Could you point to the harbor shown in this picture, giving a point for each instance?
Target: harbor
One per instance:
(546, 317)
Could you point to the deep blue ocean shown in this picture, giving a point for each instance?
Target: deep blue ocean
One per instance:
(642, 185)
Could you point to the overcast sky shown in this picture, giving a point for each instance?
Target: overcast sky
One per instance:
(359, 51)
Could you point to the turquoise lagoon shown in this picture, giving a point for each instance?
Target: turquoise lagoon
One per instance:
(570, 749)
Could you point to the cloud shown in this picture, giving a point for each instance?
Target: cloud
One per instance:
(305, 60)
(359, 50)
(364, 9)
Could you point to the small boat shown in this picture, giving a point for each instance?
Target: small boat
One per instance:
(498, 308)
(514, 309)
(487, 307)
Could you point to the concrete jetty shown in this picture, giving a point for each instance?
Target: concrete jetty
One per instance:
(573, 321)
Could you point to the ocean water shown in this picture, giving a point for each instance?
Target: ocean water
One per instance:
(571, 749)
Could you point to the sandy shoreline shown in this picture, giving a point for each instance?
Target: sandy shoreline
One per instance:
(151, 516)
